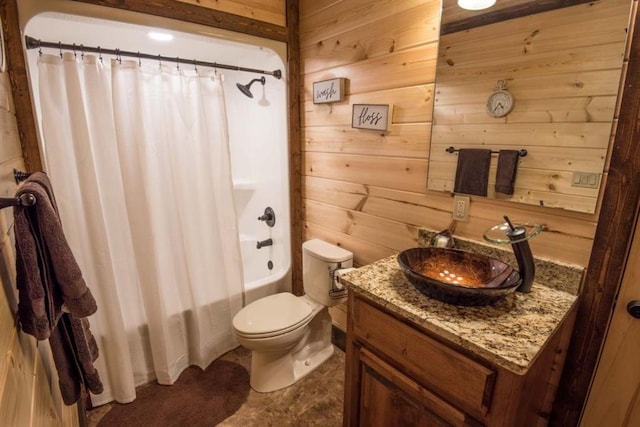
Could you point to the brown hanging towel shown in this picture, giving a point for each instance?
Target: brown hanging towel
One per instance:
(49, 278)
(472, 171)
(507, 169)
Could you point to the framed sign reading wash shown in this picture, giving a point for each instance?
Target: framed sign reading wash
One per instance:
(371, 116)
(328, 91)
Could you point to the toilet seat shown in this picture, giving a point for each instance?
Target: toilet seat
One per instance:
(274, 315)
(272, 334)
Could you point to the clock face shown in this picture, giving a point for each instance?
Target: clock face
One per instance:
(500, 103)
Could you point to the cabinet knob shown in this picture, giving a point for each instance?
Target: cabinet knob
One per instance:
(634, 308)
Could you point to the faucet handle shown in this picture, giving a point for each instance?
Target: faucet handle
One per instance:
(269, 217)
(502, 233)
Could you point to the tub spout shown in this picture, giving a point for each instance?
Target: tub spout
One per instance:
(264, 243)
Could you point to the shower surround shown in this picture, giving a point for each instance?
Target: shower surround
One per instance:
(257, 130)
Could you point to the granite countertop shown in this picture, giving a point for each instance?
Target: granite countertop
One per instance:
(509, 333)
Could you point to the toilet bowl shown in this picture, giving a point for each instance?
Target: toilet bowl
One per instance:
(290, 336)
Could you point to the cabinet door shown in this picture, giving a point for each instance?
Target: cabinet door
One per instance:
(409, 348)
(390, 398)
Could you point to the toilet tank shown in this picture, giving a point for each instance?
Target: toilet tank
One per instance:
(319, 260)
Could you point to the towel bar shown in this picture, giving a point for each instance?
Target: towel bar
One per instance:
(451, 150)
(25, 199)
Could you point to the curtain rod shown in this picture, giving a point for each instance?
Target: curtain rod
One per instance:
(33, 43)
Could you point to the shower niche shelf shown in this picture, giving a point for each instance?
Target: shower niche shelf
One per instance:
(244, 184)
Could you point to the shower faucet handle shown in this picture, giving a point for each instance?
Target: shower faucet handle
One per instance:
(269, 217)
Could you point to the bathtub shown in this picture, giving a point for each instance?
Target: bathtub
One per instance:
(259, 279)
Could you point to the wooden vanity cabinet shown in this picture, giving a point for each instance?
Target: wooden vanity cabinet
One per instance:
(400, 375)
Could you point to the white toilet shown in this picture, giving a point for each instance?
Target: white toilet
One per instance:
(290, 336)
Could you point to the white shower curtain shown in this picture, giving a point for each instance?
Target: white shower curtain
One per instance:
(139, 160)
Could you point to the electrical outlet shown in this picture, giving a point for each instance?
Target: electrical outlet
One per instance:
(461, 208)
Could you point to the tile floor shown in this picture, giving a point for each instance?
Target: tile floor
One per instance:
(316, 400)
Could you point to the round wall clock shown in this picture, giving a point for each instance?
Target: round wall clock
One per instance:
(500, 102)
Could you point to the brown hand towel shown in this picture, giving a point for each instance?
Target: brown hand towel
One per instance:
(48, 275)
(86, 352)
(472, 172)
(74, 350)
(506, 173)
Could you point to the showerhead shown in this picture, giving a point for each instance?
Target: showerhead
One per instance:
(246, 89)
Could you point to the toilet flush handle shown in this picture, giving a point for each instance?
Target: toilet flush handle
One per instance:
(338, 291)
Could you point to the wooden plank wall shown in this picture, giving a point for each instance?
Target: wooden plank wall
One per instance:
(364, 190)
(563, 67)
(272, 11)
(29, 394)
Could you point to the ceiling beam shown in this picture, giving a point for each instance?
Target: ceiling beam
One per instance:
(198, 15)
(507, 13)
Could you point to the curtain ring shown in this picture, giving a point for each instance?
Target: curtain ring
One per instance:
(75, 55)
(118, 57)
(60, 48)
(195, 66)
(100, 54)
(82, 52)
(177, 63)
(139, 61)
(159, 61)
(39, 47)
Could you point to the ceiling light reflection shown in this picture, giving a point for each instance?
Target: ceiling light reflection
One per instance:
(476, 4)
(161, 37)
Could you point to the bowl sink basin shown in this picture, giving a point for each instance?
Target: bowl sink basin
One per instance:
(458, 277)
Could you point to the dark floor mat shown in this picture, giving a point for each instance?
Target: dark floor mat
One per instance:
(197, 398)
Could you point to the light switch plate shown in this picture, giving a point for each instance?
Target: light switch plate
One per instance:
(585, 179)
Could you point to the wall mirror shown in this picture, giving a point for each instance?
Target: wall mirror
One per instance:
(562, 66)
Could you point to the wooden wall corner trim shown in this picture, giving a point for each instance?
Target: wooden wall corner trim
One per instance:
(612, 242)
(295, 153)
(16, 66)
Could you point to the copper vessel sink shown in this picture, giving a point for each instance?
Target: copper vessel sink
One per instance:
(458, 277)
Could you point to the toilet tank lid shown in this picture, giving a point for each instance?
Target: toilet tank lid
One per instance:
(326, 251)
